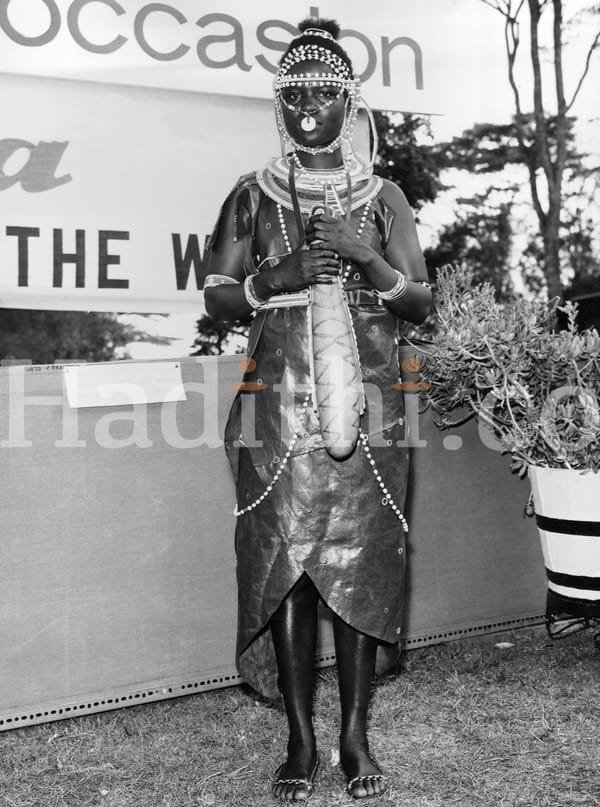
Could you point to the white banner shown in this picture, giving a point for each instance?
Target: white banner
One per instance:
(400, 48)
(107, 193)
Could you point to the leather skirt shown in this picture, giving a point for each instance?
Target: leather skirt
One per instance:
(318, 516)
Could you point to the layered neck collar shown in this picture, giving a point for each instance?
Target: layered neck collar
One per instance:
(318, 185)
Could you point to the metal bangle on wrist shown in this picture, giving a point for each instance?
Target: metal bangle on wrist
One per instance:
(253, 301)
(397, 291)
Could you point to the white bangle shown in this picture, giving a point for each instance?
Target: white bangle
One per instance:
(219, 280)
(397, 291)
(251, 297)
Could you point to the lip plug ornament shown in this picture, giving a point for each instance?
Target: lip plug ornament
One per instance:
(308, 124)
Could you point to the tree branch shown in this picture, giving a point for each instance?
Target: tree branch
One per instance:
(512, 41)
(561, 107)
(541, 133)
(542, 137)
(495, 4)
(588, 58)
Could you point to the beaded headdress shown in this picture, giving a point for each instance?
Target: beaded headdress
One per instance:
(305, 49)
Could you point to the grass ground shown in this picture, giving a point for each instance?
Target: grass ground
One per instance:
(505, 720)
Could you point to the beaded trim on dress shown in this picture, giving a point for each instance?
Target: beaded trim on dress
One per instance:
(310, 184)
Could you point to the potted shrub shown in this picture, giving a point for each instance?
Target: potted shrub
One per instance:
(537, 388)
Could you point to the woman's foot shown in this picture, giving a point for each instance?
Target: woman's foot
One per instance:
(363, 775)
(293, 780)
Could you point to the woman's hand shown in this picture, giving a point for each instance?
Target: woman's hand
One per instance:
(302, 268)
(332, 233)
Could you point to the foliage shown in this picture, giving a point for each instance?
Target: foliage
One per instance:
(537, 387)
(490, 147)
(404, 160)
(480, 237)
(490, 224)
(541, 142)
(216, 337)
(584, 290)
(542, 135)
(44, 337)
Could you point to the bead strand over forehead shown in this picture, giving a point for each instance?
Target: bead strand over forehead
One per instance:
(346, 132)
(310, 80)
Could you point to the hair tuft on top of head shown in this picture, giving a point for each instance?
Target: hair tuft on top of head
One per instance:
(324, 37)
(331, 26)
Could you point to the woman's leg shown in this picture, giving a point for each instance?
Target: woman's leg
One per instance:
(294, 632)
(355, 654)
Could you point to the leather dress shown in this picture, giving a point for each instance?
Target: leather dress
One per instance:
(326, 518)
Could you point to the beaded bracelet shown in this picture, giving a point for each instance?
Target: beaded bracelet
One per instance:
(397, 291)
(253, 301)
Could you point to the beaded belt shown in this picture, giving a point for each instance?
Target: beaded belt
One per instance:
(301, 298)
(286, 300)
(363, 297)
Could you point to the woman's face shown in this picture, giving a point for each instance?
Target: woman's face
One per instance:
(326, 105)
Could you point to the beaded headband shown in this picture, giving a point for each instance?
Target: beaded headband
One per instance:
(316, 53)
(311, 80)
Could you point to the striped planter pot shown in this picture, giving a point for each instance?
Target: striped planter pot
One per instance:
(567, 507)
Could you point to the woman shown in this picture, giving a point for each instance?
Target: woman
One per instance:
(311, 527)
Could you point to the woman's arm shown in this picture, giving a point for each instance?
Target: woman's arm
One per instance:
(402, 254)
(225, 257)
(228, 301)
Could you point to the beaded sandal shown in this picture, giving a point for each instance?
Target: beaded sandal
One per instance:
(304, 783)
(361, 781)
